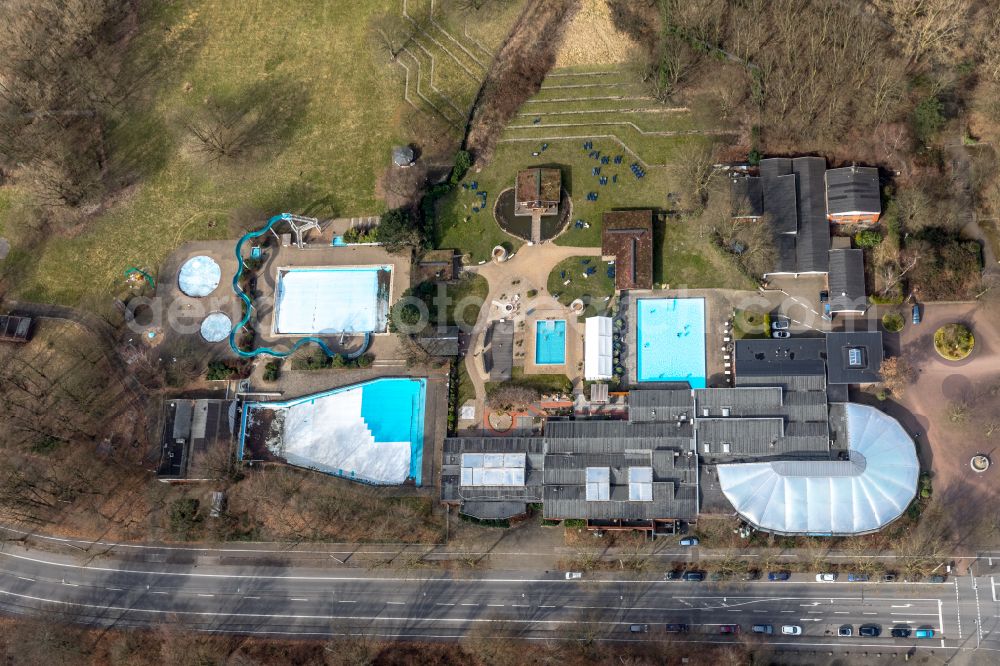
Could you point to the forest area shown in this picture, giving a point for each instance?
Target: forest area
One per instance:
(897, 84)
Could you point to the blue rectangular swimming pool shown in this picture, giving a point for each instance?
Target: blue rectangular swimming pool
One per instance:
(550, 342)
(670, 340)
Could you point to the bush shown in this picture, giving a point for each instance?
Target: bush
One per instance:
(355, 235)
(409, 315)
(868, 238)
(575, 523)
(272, 371)
(893, 322)
(463, 162)
(184, 516)
(928, 118)
(398, 231)
(219, 370)
(954, 341)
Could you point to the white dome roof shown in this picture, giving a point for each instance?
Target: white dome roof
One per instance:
(823, 497)
(199, 276)
(216, 326)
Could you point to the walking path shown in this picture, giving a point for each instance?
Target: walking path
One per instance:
(531, 265)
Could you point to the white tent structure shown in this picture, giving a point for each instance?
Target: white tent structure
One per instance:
(597, 349)
(831, 497)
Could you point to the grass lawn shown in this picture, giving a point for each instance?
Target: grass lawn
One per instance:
(682, 258)
(542, 383)
(593, 290)
(466, 389)
(338, 105)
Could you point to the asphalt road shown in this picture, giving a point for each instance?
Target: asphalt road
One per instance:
(298, 601)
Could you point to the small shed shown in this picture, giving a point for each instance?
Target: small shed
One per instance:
(402, 156)
(15, 329)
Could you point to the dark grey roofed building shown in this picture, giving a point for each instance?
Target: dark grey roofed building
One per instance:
(853, 192)
(499, 353)
(660, 405)
(854, 357)
(847, 282)
(781, 358)
(785, 258)
(738, 436)
(192, 429)
(812, 244)
(737, 402)
(747, 198)
(778, 193)
(442, 342)
(492, 502)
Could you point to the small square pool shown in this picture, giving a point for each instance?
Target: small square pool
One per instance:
(550, 342)
(670, 340)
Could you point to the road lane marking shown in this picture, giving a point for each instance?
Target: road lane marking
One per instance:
(901, 605)
(539, 606)
(32, 580)
(396, 603)
(841, 612)
(342, 601)
(297, 599)
(867, 613)
(441, 604)
(521, 605)
(70, 584)
(478, 604)
(251, 597)
(155, 592)
(114, 589)
(958, 611)
(495, 605)
(205, 595)
(940, 616)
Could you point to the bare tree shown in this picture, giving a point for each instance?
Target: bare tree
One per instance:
(391, 33)
(925, 27)
(897, 375)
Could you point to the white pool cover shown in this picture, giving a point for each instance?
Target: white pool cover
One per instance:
(831, 497)
(329, 434)
(216, 326)
(327, 301)
(199, 276)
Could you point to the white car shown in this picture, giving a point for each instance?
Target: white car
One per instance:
(573, 575)
(791, 630)
(826, 577)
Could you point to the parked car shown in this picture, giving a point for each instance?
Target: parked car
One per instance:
(762, 629)
(729, 628)
(694, 575)
(689, 541)
(780, 334)
(845, 630)
(826, 577)
(870, 630)
(824, 296)
(791, 630)
(638, 628)
(826, 311)
(925, 633)
(780, 323)
(889, 578)
(778, 575)
(573, 575)
(752, 574)
(677, 628)
(857, 578)
(900, 632)
(672, 575)
(916, 313)
(937, 579)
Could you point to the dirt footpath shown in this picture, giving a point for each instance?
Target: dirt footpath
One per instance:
(517, 72)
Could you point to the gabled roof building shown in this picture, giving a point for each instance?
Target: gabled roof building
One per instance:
(852, 195)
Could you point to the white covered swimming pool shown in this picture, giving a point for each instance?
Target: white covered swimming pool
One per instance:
(332, 300)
